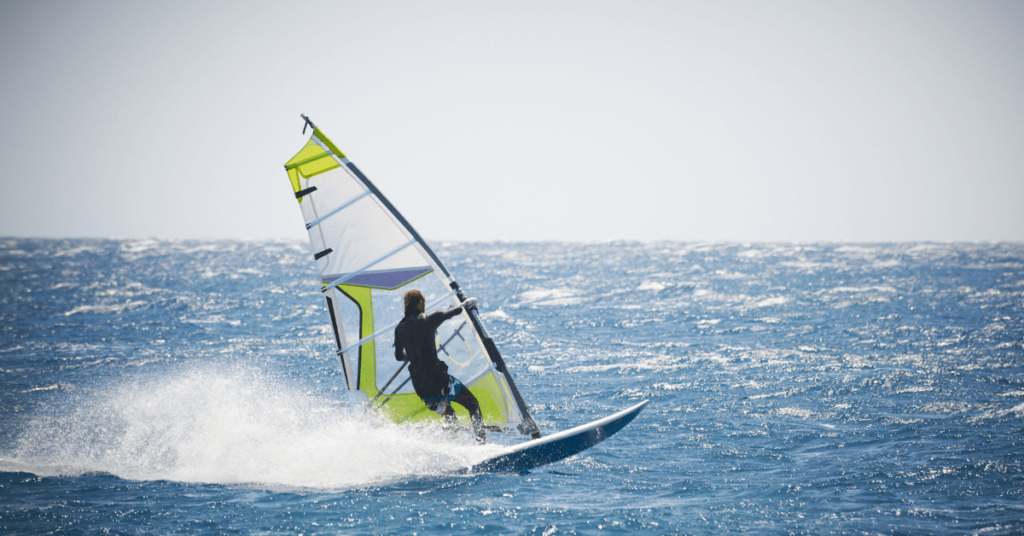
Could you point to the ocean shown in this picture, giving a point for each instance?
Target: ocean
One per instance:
(192, 387)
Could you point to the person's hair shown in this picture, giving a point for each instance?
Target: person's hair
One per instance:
(413, 299)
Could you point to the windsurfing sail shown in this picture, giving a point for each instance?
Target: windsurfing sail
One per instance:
(368, 256)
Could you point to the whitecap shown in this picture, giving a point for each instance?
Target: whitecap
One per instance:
(497, 314)
(651, 285)
(795, 412)
(113, 308)
(777, 300)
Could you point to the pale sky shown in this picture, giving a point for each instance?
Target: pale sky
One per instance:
(579, 121)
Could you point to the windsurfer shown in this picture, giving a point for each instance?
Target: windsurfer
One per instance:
(414, 342)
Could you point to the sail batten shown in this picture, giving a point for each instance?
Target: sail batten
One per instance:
(339, 209)
(373, 257)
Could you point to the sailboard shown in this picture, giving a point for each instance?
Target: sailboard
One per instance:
(558, 446)
(367, 257)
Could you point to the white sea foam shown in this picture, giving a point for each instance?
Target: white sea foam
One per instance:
(661, 363)
(550, 297)
(496, 315)
(139, 246)
(673, 386)
(878, 288)
(110, 308)
(1017, 410)
(915, 389)
(795, 412)
(777, 300)
(769, 395)
(75, 251)
(230, 426)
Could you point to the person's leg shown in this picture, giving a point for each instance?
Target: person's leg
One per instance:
(468, 401)
(449, 416)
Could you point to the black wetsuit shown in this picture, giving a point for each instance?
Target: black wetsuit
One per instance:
(414, 342)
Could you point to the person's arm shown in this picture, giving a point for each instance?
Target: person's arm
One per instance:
(437, 318)
(399, 349)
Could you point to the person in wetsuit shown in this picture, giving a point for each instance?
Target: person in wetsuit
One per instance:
(414, 342)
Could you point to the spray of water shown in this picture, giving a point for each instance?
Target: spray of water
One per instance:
(230, 426)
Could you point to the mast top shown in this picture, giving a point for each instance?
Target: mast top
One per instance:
(309, 123)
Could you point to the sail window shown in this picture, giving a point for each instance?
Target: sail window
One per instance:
(388, 329)
(337, 336)
(349, 327)
(334, 322)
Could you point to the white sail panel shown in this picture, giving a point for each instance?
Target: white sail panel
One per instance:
(353, 230)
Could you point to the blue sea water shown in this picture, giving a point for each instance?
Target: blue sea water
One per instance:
(157, 387)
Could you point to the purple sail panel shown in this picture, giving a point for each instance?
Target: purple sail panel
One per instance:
(382, 279)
